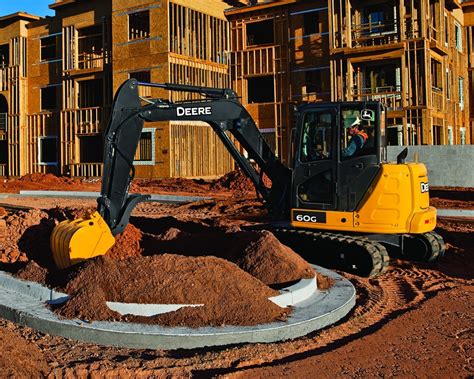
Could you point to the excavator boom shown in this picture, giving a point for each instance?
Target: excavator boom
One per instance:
(220, 108)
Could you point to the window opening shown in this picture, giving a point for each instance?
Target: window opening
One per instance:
(311, 23)
(49, 99)
(91, 93)
(90, 47)
(91, 149)
(4, 55)
(48, 48)
(260, 33)
(261, 89)
(145, 153)
(139, 25)
(48, 150)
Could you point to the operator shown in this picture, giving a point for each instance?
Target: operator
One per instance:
(358, 139)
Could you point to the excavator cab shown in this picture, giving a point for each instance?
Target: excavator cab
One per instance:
(326, 175)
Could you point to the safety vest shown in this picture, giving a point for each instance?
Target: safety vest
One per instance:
(363, 135)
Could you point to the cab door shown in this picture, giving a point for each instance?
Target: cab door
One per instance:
(314, 174)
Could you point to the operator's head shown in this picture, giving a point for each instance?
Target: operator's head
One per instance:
(355, 126)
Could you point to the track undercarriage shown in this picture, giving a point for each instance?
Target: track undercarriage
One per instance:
(362, 255)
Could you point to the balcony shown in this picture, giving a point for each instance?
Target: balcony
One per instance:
(390, 96)
(255, 61)
(91, 53)
(374, 34)
(437, 99)
(86, 120)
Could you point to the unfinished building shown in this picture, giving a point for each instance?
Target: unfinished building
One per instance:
(58, 76)
(343, 50)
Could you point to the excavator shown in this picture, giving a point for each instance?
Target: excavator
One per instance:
(348, 211)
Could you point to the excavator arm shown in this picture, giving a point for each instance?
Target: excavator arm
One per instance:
(219, 108)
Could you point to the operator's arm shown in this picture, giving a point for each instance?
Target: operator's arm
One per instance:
(355, 145)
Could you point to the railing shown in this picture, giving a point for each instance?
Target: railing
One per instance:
(390, 96)
(91, 52)
(86, 170)
(374, 33)
(3, 169)
(437, 98)
(86, 120)
(255, 61)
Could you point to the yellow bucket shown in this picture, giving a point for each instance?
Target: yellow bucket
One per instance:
(81, 239)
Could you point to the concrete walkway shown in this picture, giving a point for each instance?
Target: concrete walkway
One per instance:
(26, 303)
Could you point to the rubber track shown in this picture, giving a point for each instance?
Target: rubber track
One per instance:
(377, 252)
(438, 247)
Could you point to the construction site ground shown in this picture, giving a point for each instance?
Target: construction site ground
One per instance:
(416, 320)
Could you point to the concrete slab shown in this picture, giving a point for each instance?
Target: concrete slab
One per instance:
(25, 303)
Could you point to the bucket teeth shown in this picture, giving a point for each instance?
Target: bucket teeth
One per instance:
(77, 240)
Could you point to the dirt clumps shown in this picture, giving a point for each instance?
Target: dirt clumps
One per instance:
(127, 244)
(20, 358)
(230, 296)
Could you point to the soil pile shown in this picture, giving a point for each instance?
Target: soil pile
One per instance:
(235, 181)
(230, 296)
(260, 254)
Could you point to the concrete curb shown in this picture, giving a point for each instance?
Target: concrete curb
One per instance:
(84, 194)
(25, 303)
(468, 213)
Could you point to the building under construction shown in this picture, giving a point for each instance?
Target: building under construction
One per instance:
(58, 74)
(410, 55)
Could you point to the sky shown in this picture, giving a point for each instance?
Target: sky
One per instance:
(36, 7)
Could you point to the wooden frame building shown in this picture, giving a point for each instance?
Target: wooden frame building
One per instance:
(410, 55)
(58, 76)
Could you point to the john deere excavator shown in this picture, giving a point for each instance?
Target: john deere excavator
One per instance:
(346, 211)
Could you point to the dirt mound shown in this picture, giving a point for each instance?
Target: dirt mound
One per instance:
(230, 296)
(44, 178)
(260, 254)
(269, 260)
(235, 181)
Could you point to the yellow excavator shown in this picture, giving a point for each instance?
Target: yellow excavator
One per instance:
(339, 204)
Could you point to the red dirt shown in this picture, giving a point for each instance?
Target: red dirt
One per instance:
(435, 300)
(452, 197)
(230, 296)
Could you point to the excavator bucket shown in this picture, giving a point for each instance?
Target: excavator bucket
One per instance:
(81, 239)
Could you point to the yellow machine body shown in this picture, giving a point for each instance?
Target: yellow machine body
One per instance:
(81, 239)
(396, 203)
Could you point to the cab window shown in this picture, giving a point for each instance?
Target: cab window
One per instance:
(317, 136)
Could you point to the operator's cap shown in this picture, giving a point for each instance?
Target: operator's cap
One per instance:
(357, 121)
